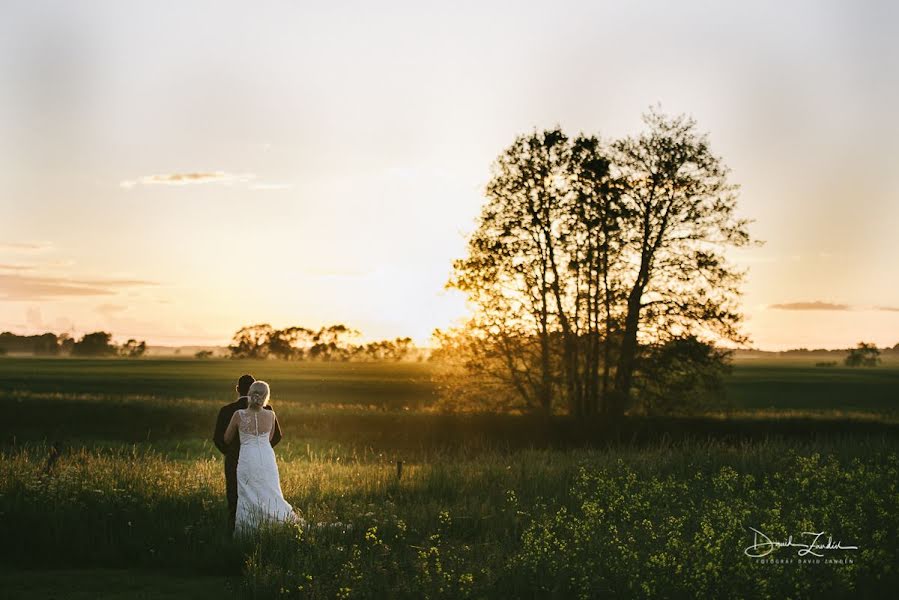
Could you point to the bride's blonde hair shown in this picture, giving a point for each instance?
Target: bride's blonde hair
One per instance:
(258, 394)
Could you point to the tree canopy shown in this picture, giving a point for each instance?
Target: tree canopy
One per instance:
(587, 255)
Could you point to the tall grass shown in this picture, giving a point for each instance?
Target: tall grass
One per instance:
(665, 520)
(488, 506)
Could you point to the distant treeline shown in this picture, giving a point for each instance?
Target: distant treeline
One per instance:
(823, 351)
(98, 343)
(330, 343)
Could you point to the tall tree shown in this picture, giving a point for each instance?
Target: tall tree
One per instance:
(680, 217)
(514, 256)
(585, 279)
(584, 252)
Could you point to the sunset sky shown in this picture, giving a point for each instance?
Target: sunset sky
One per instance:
(173, 171)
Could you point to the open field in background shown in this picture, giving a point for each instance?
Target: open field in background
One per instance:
(391, 385)
(795, 384)
(349, 407)
(770, 384)
(487, 506)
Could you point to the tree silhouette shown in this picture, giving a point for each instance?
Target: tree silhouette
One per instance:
(42, 344)
(863, 355)
(332, 343)
(94, 344)
(289, 343)
(679, 211)
(583, 253)
(133, 349)
(251, 341)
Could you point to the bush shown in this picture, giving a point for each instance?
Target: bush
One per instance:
(680, 377)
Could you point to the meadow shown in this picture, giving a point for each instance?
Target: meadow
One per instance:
(483, 507)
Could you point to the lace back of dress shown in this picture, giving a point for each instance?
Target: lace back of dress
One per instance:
(255, 422)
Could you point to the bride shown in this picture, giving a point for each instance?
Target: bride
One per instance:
(259, 496)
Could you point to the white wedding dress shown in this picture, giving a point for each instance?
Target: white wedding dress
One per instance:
(259, 496)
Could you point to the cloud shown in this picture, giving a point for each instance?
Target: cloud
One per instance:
(25, 246)
(8, 267)
(26, 287)
(49, 265)
(189, 178)
(888, 308)
(816, 305)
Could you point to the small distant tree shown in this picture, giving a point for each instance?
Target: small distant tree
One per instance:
(133, 349)
(332, 343)
(251, 341)
(288, 344)
(203, 354)
(863, 355)
(97, 343)
(46, 344)
(395, 350)
(66, 343)
(401, 348)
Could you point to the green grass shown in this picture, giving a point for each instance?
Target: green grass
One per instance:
(390, 385)
(536, 523)
(798, 385)
(110, 584)
(487, 506)
(787, 384)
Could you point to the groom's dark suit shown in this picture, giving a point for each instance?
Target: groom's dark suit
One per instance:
(232, 451)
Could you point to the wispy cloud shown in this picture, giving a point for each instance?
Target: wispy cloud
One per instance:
(27, 287)
(25, 246)
(7, 267)
(816, 305)
(19, 267)
(191, 178)
(888, 308)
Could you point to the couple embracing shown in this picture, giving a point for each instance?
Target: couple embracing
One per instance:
(246, 432)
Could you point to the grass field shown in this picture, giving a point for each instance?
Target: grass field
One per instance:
(486, 507)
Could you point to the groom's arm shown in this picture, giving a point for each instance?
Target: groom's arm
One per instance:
(218, 438)
(276, 433)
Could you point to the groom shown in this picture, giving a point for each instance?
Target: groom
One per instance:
(232, 450)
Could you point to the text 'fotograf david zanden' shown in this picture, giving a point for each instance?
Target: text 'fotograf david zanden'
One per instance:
(762, 545)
